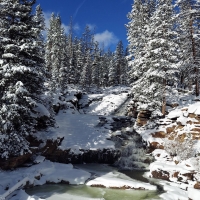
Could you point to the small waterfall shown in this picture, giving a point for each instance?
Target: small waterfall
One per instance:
(129, 142)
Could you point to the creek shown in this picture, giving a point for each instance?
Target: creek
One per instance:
(84, 192)
(133, 155)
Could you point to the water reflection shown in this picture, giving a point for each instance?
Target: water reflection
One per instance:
(83, 192)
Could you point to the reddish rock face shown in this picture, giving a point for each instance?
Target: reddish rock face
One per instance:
(143, 117)
(170, 129)
(14, 162)
(197, 185)
(159, 134)
(155, 145)
(161, 175)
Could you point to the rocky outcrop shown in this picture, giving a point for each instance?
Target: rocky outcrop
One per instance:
(121, 122)
(14, 162)
(197, 185)
(54, 154)
(160, 175)
(143, 117)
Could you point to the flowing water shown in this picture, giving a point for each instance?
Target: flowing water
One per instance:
(83, 192)
(133, 155)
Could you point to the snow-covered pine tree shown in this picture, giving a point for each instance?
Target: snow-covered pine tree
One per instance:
(56, 57)
(71, 54)
(159, 59)
(64, 64)
(137, 28)
(86, 75)
(22, 74)
(87, 48)
(119, 61)
(188, 21)
(78, 59)
(112, 72)
(96, 65)
(106, 59)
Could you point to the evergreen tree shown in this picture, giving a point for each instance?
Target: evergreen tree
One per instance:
(21, 72)
(112, 72)
(56, 56)
(158, 59)
(78, 59)
(188, 21)
(138, 29)
(87, 48)
(96, 65)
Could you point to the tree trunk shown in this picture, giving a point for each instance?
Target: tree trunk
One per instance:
(163, 109)
(196, 70)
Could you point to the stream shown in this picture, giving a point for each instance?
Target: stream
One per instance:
(133, 156)
(84, 192)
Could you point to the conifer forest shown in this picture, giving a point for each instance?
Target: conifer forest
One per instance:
(66, 99)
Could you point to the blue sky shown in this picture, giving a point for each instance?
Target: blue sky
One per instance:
(106, 16)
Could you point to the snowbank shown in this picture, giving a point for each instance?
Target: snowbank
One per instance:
(118, 180)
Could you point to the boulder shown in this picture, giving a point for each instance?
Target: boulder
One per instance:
(170, 129)
(159, 134)
(14, 162)
(143, 117)
(160, 175)
(197, 185)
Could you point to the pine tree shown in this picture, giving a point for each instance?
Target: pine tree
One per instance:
(87, 48)
(22, 74)
(56, 56)
(158, 59)
(112, 72)
(96, 65)
(138, 29)
(188, 21)
(78, 59)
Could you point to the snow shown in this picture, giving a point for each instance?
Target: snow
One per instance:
(82, 130)
(41, 173)
(193, 193)
(41, 110)
(194, 108)
(22, 195)
(78, 130)
(119, 180)
(8, 55)
(174, 114)
(39, 159)
(174, 192)
(108, 104)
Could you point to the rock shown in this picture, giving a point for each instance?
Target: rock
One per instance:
(52, 152)
(143, 117)
(155, 145)
(160, 175)
(197, 185)
(172, 105)
(196, 129)
(190, 176)
(195, 135)
(132, 112)
(191, 115)
(98, 185)
(175, 174)
(14, 162)
(159, 134)
(170, 129)
(56, 107)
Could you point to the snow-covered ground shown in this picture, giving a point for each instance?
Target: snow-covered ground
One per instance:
(49, 172)
(179, 134)
(81, 131)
